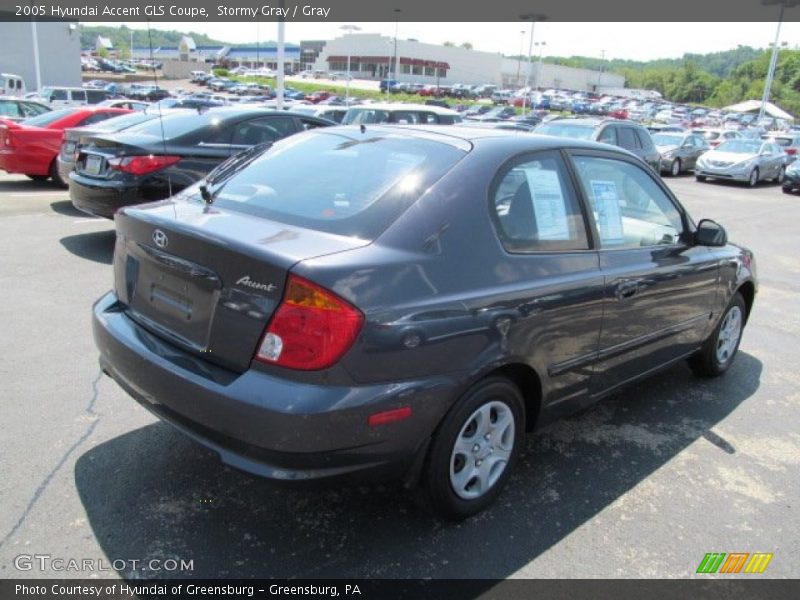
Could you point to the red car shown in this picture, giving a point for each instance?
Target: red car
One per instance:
(318, 96)
(31, 146)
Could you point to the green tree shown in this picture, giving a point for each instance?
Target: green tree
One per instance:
(466, 46)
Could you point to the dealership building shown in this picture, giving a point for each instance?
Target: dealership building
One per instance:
(372, 56)
(57, 45)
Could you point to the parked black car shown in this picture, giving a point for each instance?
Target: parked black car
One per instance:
(159, 158)
(625, 134)
(406, 302)
(72, 136)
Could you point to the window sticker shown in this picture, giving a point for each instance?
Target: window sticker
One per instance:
(548, 204)
(609, 218)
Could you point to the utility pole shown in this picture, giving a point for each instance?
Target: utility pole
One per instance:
(532, 18)
(396, 21)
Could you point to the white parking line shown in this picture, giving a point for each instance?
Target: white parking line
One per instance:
(91, 220)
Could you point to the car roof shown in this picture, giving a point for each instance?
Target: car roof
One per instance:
(468, 136)
(400, 106)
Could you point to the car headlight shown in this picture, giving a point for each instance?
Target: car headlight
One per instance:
(745, 163)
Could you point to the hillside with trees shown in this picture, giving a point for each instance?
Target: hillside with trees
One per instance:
(715, 79)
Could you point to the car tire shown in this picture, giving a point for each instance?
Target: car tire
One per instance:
(56, 176)
(469, 438)
(720, 348)
(675, 167)
(37, 177)
(786, 190)
(752, 180)
(700, 178)
(781, 175)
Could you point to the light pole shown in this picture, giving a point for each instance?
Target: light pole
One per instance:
(347, 84)
(602, 65)
(774, 60)
(540, 70)
(397, 12)
(519, 56)
(532, 18)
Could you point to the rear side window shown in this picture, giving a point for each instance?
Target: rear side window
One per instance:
(261, 131)
(534, 207)
(58, 95)
(346, 184)
(32, 109)
(608, 136)
(79, 95)
(365, 116)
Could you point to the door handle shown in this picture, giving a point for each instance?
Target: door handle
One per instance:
(626, 289)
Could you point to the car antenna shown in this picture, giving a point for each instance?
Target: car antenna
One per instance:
(160, 115)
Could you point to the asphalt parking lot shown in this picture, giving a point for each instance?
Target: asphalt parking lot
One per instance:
(640, 485)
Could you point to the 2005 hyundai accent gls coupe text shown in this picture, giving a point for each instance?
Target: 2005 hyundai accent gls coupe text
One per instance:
(404, 302)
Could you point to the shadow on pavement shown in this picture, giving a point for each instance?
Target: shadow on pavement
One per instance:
(97, 246)
(154, 493)
(65, 207)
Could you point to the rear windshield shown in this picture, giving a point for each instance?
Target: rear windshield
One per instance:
(175, 125)
(45, 119)
(124, 121)
(345, 183)
(580, 132)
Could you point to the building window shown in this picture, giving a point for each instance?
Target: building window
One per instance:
(417, 70)
(406, 69)
(429, 71)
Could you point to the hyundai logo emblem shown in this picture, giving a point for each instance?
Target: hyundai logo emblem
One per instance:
(160, 238)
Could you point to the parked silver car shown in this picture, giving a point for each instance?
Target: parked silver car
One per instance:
(750, 161)
(679, 151)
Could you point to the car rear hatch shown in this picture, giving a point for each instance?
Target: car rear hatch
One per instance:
(96, 151)
(208, 279)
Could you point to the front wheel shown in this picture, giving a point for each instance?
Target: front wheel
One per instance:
(475, 449)
(781, 175)
(753, 179)
(675, 167)
(719, 350)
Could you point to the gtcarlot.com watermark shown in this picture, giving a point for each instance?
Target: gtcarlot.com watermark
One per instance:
(48, 562)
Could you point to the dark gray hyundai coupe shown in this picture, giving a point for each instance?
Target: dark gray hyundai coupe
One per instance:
(400, 302)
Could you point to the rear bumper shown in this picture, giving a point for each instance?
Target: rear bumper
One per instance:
(99, 197)
(267, 425)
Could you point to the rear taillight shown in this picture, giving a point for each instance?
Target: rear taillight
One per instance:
(141, 165)
(791, 151)
(311, 329)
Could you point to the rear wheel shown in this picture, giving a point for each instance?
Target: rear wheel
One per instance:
(675, 167)
(700, 177)
(787, 190)
(781, 175)
(475, 449)
(719, 350)
(56, 176)
(753, 179)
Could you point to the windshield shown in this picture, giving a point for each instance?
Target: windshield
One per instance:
(360, 185)
(740, 147)
(580, 132)
(662, 139)
(47, 118)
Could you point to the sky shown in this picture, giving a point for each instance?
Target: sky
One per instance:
(637, 41)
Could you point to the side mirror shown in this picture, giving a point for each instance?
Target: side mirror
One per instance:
(710, 233)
